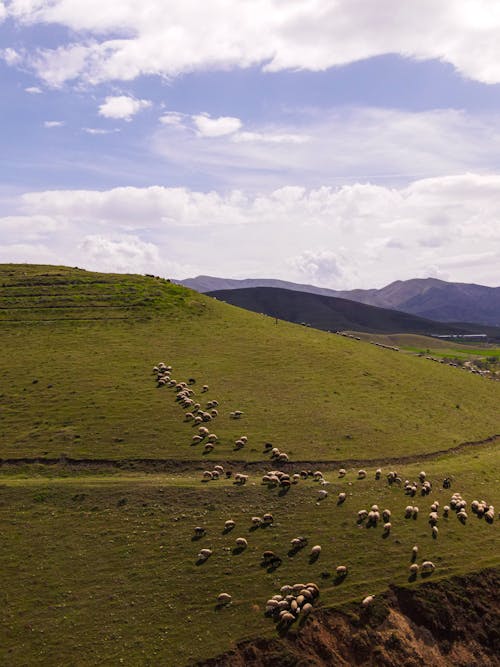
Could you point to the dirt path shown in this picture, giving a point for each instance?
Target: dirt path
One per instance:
(175, 465)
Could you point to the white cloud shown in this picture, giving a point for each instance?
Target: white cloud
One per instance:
(53, 123)
(172, 118)
(270, 137)
(216, 127)
(357, 235)
(341, 145)
(11, 56)
(33, 90)
(122, 106)
(126, 254)
(98, 130)
(168, 38)
(321, 267)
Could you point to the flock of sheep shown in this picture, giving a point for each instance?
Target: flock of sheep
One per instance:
(296, 600)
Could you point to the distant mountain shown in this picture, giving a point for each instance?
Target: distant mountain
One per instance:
(333, 314)
(426, 297)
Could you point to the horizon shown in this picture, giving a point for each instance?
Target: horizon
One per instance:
(346, 153)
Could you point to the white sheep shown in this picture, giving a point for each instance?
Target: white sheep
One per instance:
(224, 598)
(414, 568)
(315, 551)
(368, 600)
(361, 474)
(408, 511)
(204, 554)
(387, 528)
(341, 570)
(257, 521)
(428, 566)
(229, 524)
(342, 472)
(435, 531)
(341, 497)
(386, 515)
(322, 494)
(241, 542)
(267, 518)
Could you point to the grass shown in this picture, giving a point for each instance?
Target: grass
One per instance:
(99, 569)
(98, 562)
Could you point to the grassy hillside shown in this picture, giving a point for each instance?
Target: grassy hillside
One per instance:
(98, 562)
(83, 387)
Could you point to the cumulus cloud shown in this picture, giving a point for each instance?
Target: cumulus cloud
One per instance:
(98, 130)
(127, 254)
(168, 38)
(216, 127)
(33, 90)
(53, 123)
(357, 235)
(122, 107)
(320, 267)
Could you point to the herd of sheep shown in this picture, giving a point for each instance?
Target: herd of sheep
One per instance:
(296, 600)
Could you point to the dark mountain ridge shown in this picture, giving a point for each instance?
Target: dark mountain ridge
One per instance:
(430, 298)
(334, 314)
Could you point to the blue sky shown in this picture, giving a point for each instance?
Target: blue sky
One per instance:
(322, 141)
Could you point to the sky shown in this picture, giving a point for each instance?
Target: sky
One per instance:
(343, 143)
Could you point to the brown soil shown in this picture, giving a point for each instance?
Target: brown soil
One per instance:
(455, 622)
(176, 465)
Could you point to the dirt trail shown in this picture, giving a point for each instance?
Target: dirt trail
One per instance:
(450, 623)
(176, 465)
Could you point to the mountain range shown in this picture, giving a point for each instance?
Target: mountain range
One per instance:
(429, 298)
(334, 314)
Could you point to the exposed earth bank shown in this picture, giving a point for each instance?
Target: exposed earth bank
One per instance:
(454, 622)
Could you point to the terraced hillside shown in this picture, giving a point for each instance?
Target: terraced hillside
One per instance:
(101, 486)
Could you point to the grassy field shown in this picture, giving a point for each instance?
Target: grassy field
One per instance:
(98, 562)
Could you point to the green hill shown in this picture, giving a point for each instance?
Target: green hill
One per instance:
(98, 561)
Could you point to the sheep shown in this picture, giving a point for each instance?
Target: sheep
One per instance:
(386, 515)
(367, 600)
(215, 474)
(374, 508)
(196, 439)
(204, 388)
(462, 516)
(433, 518)
(341, 571)
(408, 511)
(415, 512)
(282, 457)
(414, 568)
(239, 444)
(298, 543)
(446, 510)
(240, 478)
(378, 473)
(341, 498)
(229, 524)
(198, 419)
(219, 468)
(428, 566)
(199, 531)
(342, 472)
(211, 437)
(422, 476)
(208, 448)
(317, 475)
(315, 551)
(387, 528)
(322, 494)
(361, 474)
(207, 475)
(241, 542)
(306, 609)
(435, 506)
(224, 598)
(267, 518)
(206, 417)
(362, 514)
(269, 556)
(204, 554)
(257, 521)
(435, 531)
(296, 477)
